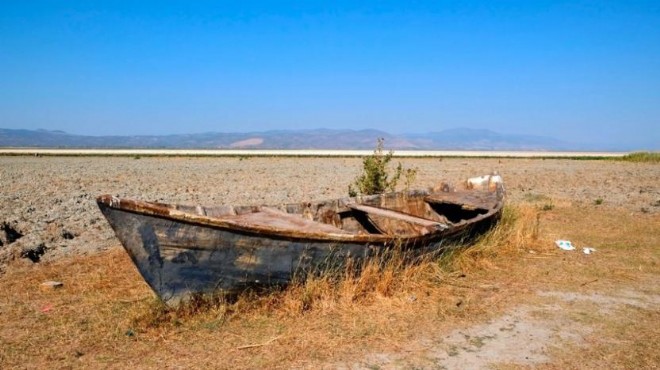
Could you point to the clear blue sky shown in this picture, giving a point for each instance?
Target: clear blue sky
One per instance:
(583, 70)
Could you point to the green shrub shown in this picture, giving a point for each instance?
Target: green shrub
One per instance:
(375, 177)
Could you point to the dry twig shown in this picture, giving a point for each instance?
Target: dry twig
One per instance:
(259, 344)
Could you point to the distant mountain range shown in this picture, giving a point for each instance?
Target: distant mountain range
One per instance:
(454, 139)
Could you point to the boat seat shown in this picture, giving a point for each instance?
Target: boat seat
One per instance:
(389, 213)
(276, 219)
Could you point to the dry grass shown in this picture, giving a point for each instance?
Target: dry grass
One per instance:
(105, 314)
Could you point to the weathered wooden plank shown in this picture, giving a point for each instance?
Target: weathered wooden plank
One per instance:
(272, 217)
(394, 214)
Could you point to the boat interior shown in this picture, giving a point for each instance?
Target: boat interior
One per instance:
(407, 213)
(403, 213)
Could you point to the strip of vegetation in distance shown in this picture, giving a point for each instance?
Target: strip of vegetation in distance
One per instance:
(642, 157)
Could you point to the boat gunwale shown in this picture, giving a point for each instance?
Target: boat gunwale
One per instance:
(169, 211)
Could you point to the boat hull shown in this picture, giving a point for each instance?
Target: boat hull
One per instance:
(179, 260)
(180, 254)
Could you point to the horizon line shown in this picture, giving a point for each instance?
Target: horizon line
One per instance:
(308, 153)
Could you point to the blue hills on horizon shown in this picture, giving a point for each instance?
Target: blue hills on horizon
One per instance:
(450, 139)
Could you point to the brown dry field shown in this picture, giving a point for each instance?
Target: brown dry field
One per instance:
(512, 301)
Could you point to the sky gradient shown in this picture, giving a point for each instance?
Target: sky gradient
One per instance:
(578, 71)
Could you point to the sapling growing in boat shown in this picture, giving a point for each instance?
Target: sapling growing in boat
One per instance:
(376, 177)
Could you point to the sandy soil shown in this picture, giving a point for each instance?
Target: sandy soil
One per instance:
(50, 200)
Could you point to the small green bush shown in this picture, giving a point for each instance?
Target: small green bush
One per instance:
(375, 177)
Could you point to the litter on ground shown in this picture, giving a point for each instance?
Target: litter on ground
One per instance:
(565, 245)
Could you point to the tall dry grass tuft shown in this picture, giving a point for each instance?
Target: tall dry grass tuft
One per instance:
(390, 276)
(158, 315)
(517, 232)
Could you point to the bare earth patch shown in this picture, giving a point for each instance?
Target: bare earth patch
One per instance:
(522, 336)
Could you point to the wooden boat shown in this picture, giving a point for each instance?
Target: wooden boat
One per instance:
(183, 250)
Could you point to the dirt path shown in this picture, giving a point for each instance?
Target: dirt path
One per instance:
(526, 335)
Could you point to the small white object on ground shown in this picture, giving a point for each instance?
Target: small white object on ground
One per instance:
(565, 245)
(588, 250)
(47, 285)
